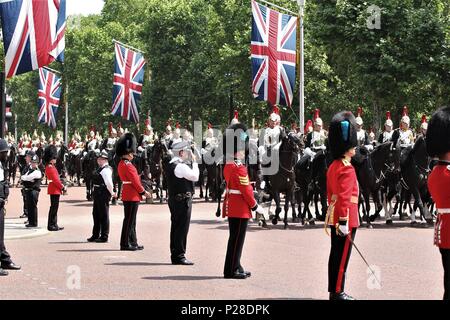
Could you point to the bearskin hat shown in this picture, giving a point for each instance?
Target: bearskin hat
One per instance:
(438, 129)
(235, 139)
(342, 134)
(126, 144)
(50, 153)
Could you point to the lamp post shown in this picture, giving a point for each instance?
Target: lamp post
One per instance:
(301, 5)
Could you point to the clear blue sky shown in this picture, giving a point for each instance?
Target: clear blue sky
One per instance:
(84, 7)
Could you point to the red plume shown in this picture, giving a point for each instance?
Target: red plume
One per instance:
(92, 128)
(110, 127)
(147, 121)
(177, 125)
(359, 112)
(405, 111)
(236, 114)
(316, 114)
(209, 125)
(276, 110)
(293, 125)
(388, 115)
(424, 119)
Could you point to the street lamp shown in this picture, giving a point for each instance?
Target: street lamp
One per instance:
(301, 5)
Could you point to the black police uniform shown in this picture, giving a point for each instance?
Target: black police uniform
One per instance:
(25, 209)
(5, 258)
(100, 211)
(32, 189)
(180, 191)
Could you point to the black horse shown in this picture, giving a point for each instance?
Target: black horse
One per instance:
(155, 156)
(414, 164)
(11, 164)
(89, 164)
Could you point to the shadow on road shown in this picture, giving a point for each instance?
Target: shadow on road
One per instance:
(68, 242)
(88, 250)
(138, 264)
(188, 278)
(288, 299)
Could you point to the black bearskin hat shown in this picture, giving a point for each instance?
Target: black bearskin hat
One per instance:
(235, 139)
(438, 133)
(50, 153)
(126, 144)
(342, 134)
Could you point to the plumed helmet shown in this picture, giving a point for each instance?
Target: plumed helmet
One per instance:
(126, 144)
(308, 126)
(342, 134)
(438, 128)
(275, 115)
(235, 118)
(388, 122)
(317, 120)
(405, 118)
(424, 123)
(359, 120)
(236, 139)
(50, 153)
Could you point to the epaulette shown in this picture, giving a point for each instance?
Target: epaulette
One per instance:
(127, 161)
(238, 162)
(448, 167)
(346, 162)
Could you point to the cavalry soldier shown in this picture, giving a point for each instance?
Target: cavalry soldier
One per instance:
(182, 173)
(35, 142)
(148, 138)
(168, 134)
(58, 141)
(315, 139)
(55, 187)
(403, 136)
(72, 144)
(361, 134)
(386, 135)
(132, 191)
(438, 146)
(423, 127)
(5, 259)
(176, 134)
(91, 142)
(239, 199)
(120, 131)
(343, 191)
(112, 138)
(103, 191)
(42, 141)
(235, 117)
(31, 181)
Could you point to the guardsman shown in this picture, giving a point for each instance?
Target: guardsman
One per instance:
(239, 200)
(176, 134)
(31, 181)
(55, 187)
(120, 131)
(181, 174)
(386, 135)
(5, 259)
(403, 136)
(103, 191)
(423, 127)
(343, 191)
(132, 191)
(361, 134)
(168, 134)
(315, 138)
(148, 138)
(438, 146)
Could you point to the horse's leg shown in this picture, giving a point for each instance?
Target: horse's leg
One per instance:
(287, 200)
(276, 197)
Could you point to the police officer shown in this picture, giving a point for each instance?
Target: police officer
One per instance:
(132, 191)
(5, 259)
(31, 181)
(438, 182)
(343, 191)
(55, 187)
(181, 174)
(239, 200)
(24, 170)
(103, 191)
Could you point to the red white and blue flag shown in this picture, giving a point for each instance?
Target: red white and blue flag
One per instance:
(48, 97)
(33, 33)
(128, 79)
(273, 55)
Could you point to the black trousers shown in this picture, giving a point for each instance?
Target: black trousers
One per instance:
(341, 249)
(32, 198)
(128, 237)
(445, 253)
(238, 229)
(24, 196)
(100, 213)
(180, 217)
(53, 212)
(5, 258)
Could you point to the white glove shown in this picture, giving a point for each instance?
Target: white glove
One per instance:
(343, 230)
(369, 147)
(203, 151)
(259, 210)
(262, 185)
(140, 149)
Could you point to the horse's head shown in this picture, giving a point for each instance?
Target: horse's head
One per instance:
(420, 152)
(292, 142)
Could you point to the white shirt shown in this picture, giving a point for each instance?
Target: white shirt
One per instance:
(2, 172)
(36, 174)
(182, 170)
(106, 174)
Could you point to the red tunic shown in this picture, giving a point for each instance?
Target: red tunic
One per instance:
(343, 192)
(239, 198)
(54, 184)
(132, 187)
(438, 185)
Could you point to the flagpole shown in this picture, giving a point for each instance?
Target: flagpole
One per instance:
(301, 4)
(66, 127)
(278, 7)
(126, 45)
(52, 70)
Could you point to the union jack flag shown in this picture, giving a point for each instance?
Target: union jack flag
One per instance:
(273, 55)
(48, 97)
(33, 33)
(128, 79)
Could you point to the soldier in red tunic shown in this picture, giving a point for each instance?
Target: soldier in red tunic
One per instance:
(132, 191)
(239, 200)
(342, 189)
(55, 187)
(438, 146)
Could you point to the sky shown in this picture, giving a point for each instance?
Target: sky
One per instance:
(84, 7)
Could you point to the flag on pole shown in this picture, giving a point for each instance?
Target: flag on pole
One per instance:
(33, 33)
(48, 97)
(128, 79)
(273, 55)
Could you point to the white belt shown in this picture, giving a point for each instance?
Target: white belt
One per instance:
(126, 182)
(49, 181)
(233, 191)
(443, 210)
